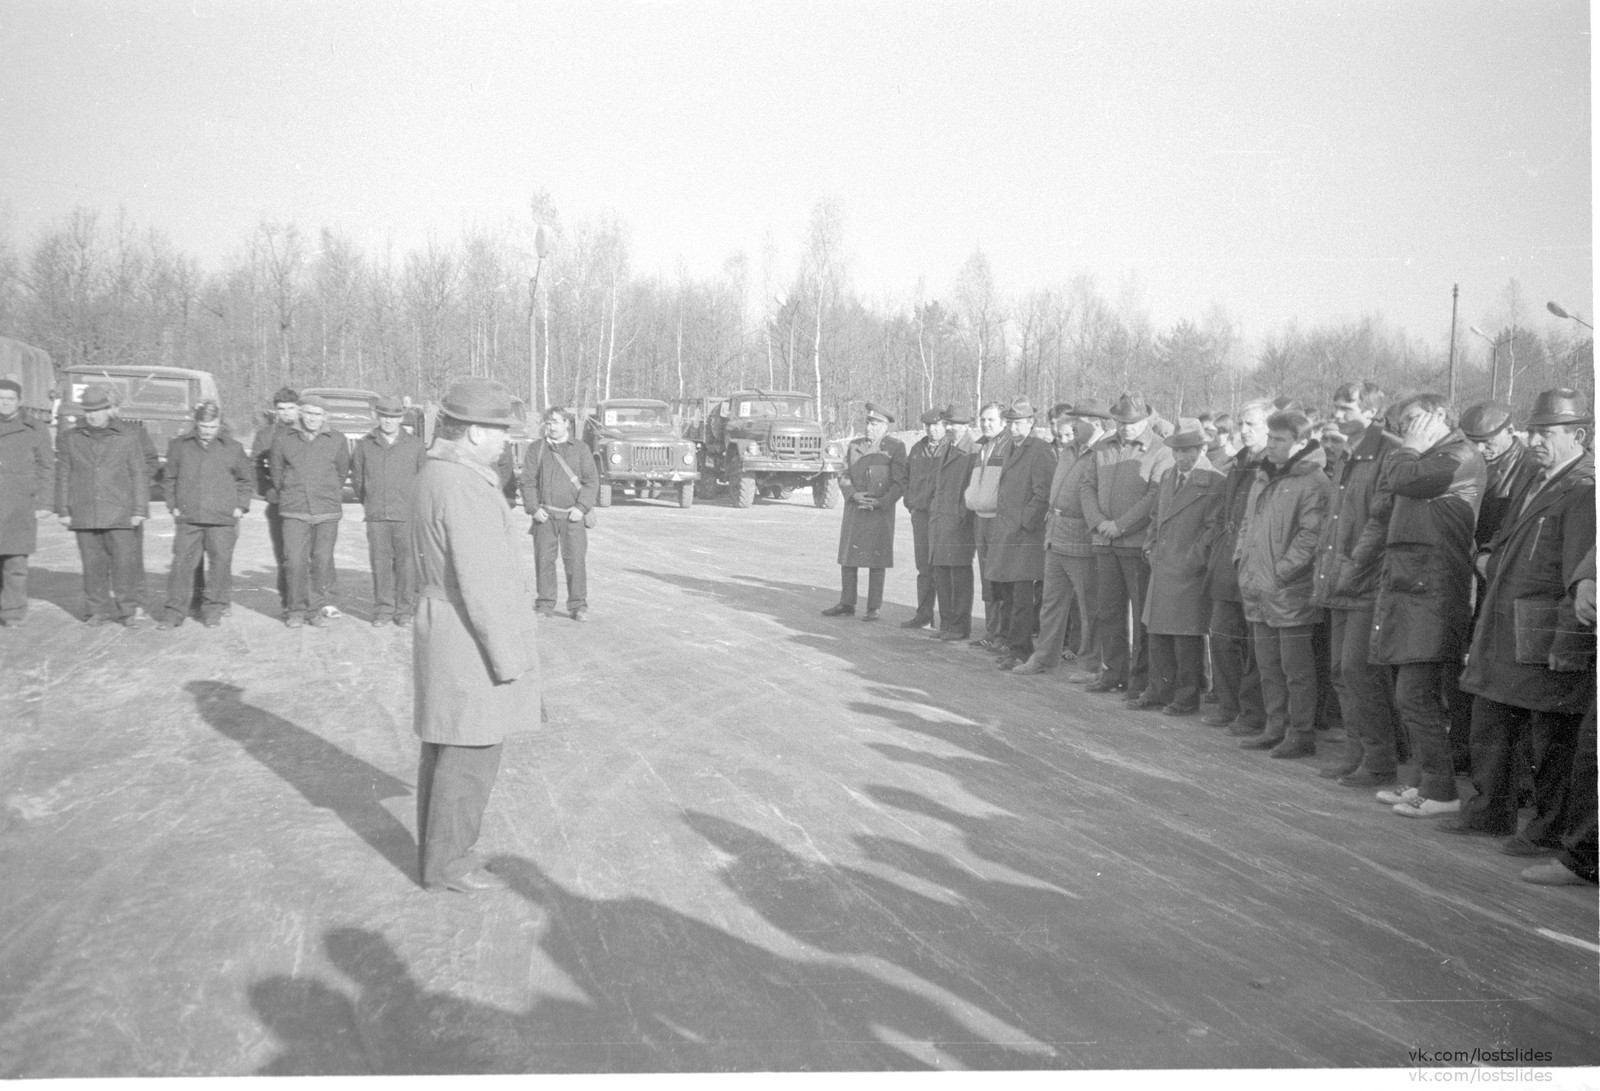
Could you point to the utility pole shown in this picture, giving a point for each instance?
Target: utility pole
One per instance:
(1455, 293)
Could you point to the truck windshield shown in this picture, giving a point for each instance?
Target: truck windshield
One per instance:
(636, 416)
(798, 408)
(140, 391)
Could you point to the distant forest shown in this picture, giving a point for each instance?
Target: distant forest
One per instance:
(310, 309)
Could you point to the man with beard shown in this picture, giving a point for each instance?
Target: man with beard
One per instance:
(873, 481)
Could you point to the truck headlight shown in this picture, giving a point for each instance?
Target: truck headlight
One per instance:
(688, 458)
(616, 458)
(752, 449)
(833, 451)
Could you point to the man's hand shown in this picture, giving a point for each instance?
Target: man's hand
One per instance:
(238, 513)
(66, 519)
(540, 515)
(1583, 601)
(1424, 430)
(575, 516)
(866, 503)
(137, 519)
(1107, 529)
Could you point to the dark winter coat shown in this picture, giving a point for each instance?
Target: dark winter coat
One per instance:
(1278, 540)
(308, 474)
(383, 474)
(1423, 612)
(951, 541)
(1222, 575)
(1508, 476)
(545, 484)
(102, 479)
(27, 473)
(474, 659)
(1182, 524)
(206, 483)
(1120, 485)
(922, 474)
(1338, 580)
(1016, 544)
(866, 538)
(1532, 560)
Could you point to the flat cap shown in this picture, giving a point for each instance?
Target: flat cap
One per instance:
(949, 415)
(875, 413)
(932, 416)
(1485, 419)
(315, 401)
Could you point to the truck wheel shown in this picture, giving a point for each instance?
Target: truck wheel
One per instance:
(604, 499)
(686, 495)
(744, 490)
(825, 492)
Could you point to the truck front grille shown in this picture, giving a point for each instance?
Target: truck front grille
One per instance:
(652, 458)
(797, 447)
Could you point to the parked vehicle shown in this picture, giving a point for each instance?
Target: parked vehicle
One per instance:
(160, 400)
(636, 445)
(31, 368)
(763, 444)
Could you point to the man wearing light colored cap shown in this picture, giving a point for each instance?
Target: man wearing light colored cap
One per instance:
(922, 472)
(873, 482)
(27, 470)
(103, 495)
(309, 464)
(475, 659)
(383, 472)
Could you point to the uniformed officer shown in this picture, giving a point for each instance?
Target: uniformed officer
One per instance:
(873, 482)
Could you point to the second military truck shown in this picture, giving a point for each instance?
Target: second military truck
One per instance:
(766, 444)
(636, 446)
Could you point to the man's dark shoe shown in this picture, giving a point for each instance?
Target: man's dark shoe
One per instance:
(1298, 747)
(480, 881)
(544, 611)
(169, 623)
(1467, 829)
(1010, 662)
(580, 614)
(870, 615)
(1365, 778)
(1179, 710)
(917, 623)
(138, 619)
(985, 643)
(211, 621)
(1262, 741)
(1521, 846)
(295, 621)
(1217, 719)
(1141, 702)
(1340, 771)
(319, 621)
(952, 635)
(382, 622)
(841, 610)
(1105, 685)
(402, 622)
(1239, 729)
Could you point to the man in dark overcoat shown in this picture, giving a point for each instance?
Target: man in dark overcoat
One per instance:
(103, 495)
(1016, 550)
(922, 472)
(873, 482)
(208, 485)
(1177, 609)
(1235, 676)
(950, 538)
(1422, 618)
(1509, 671)
(27, 469)
(475, 658)
(1345, 583)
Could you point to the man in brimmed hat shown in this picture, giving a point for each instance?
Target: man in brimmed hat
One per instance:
(103, 495)
(922, 473)
(1068, 556)
(1016, 548)
(1521, 681)
(27, 471)
(475, 658)
(950, 541)
(383, 472)
(873, 481)
(1177, 609)
(309, 464)
(1117, 494)
(209, 482)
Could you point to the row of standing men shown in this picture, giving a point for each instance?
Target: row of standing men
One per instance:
(1438, 572)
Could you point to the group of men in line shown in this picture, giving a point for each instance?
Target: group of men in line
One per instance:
(100, 475)
(1434, 575)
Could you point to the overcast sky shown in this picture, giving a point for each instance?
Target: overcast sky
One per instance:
(1288, 160)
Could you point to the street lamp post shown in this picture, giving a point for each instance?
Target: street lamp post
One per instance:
(541, 245)
(1494, 358)
(1557, 310)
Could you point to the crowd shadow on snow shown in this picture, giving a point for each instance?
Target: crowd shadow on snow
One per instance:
(660, 992)
(326, 776)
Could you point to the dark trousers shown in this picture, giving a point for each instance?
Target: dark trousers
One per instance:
(394, 568)
(453, 786)
(1553, 739)
(191, 542)
(1122, 582)
(1236, 676)
(994, 618)
(559, 536)
(1419, 698)
(13, 586)
(1067, 580)
(848, 581)
(308, 556)
(1328, 712)
(1288, 679)
(952, 586)
(1175, 670)
(1579, 845)
(919, 547)
(113, 573)
(1022, 615)
(1365, 689)
(275, 533)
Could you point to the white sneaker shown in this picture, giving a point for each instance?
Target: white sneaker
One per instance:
(1427, 808)
(1391, 796)
(331, 610)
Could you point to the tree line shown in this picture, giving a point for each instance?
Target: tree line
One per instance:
(300, 309)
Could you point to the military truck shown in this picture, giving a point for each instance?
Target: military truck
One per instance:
(352, 413)
(30, 368)
(160, 400)
(636, 445)
(760, 443)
